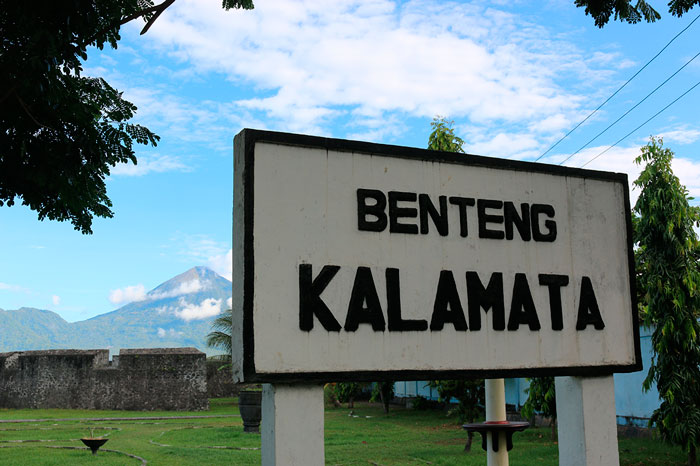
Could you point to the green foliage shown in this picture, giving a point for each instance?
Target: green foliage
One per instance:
(602, 10)
(669, 279)
(469, 394)
(346, 392)
(244, 4)
(61, 132)
(220, 337)
(541, 398)
(384, 392)
(421, 403)
(443, 138)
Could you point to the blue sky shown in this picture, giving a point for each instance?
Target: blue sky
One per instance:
(514, 76)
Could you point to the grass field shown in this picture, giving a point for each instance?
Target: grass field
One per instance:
(369, 437)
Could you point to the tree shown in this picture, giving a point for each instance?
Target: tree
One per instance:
(443, 137)
(384, 392)
(670, 280)
(61, 132)
(602, 10)
(346, 392)
(542, 398)
(471, 398)
(220, 336)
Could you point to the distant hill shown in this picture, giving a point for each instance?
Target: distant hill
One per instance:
(176, 313)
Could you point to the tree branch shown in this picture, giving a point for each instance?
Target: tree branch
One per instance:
(26, 110)
(8, 93)
(150, 22)
(157, 9)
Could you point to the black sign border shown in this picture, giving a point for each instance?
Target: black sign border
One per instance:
(246, 141)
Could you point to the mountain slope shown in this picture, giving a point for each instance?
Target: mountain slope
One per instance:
(29, 328)
(178, 312)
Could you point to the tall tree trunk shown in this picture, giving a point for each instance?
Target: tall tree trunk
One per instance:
(384, 394)
(553, 425)
(468, 445)
(692, 456)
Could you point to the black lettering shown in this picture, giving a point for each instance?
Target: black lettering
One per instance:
(447, 297)
(310, 302)
(522, 307)
(521, 221)
(588, 311)
(484, 218)
(487, 298)
(554, 284)
(462, 203)
(550, 225)
(364, 292)
(396, 212)
(375, 210)
(426, 207)
(393, 307)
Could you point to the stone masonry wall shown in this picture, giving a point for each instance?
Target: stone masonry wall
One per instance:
(137, 379)
(220, 380)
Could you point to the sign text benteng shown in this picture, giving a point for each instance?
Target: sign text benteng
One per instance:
(356, 260)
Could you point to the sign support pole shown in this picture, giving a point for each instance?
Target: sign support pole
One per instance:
(292, 425)
(586, 420)
(496, 413)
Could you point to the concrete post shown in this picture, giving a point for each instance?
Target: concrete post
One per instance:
(496, 412)
(292, 425)
(587, 421)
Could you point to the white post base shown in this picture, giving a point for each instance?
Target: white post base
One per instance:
(292, 425)
(496, 411)
(587, 421)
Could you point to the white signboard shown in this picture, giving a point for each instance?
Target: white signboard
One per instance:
(363, 261)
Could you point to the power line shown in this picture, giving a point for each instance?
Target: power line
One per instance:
(635, 129)
(621, 87)
(628, 111)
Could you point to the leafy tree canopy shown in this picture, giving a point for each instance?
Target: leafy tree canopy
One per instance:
(541, 398)
(443, 137)
(61, 132)
(602, 10)
(670, 283)
(220, 336)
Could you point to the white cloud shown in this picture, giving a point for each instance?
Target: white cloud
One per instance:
(621, 160)
(56, 300)
(681, 135)
(210, 307)
(192, 286)
(198, 248)
(688, 172)
(229, 303)
(222, 264)
(150, 164)
(128, 294)
(162, 333)
(312, 62)
(502, 144)
(14, 288)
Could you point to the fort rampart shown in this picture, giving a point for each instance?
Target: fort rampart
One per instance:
(136, 379)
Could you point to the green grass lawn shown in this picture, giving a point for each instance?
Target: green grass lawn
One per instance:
(403, 437)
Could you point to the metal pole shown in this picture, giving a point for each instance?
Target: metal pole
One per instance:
(496, 412)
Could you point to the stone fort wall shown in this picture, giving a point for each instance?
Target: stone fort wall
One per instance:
(136, 379)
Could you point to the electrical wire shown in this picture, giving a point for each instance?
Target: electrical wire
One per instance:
(635, 129)
(621, 87)
(628, 111)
